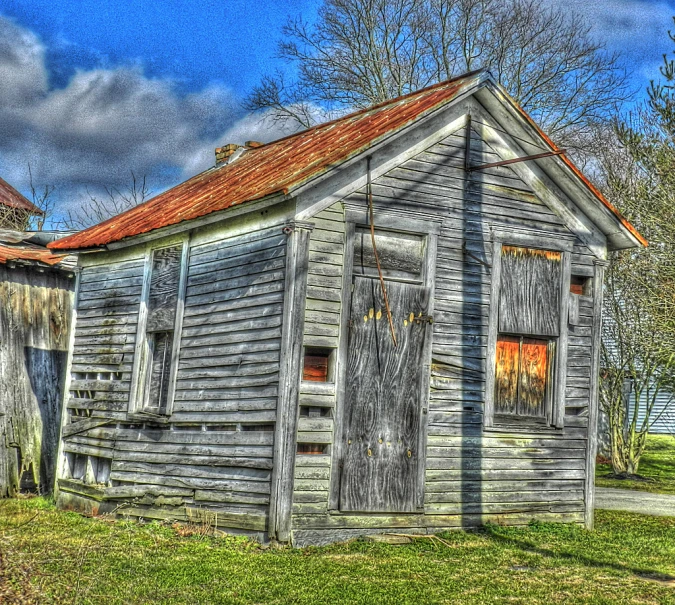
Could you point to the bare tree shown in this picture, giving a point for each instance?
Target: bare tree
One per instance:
(638, 359)
(362, 52)
(639, 338)
(287, 101)
(98, 209)
(42, 198)
(24, 219)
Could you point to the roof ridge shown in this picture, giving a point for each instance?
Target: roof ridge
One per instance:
(287, 164)
(375, 107)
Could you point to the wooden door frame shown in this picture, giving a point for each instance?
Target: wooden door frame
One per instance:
(429, 230)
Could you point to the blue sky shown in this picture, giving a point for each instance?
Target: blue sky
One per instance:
(94, 89)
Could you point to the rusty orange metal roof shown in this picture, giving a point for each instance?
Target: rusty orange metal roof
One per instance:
(276, 167)
(29, 253)
(283, 165)
(12, 198)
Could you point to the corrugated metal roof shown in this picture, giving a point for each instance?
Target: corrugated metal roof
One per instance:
(273, 168)
(285, 164)
(29, 254)
(12, 198)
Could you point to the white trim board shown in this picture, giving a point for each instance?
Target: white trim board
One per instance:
(509, 121)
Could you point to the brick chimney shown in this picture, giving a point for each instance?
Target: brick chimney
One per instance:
(229, 153)
(223, 154)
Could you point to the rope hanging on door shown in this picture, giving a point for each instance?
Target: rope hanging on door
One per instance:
(377, 256)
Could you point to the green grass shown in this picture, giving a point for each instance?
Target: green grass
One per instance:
(657, 464)
(51, 556)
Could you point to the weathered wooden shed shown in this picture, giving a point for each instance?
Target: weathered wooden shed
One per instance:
(236, 361)
(36, 297)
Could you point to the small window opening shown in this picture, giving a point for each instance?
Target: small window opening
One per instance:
(312, 448)
(318, 365)
(77, 414)
(91, 470)
(221, 427)
(309, 411)
(581, 285)
(265, 428)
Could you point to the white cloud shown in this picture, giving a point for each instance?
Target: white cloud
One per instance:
(106, 123)
(22, 68)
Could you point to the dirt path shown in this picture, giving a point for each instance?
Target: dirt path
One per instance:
(633, 501)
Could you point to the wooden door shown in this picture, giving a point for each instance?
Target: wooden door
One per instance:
(383, 393)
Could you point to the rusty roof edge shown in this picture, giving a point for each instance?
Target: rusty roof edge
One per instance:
(66, 262)
(611, 210)
(481, 77)
(55, 245)
(205, 220)
(24, 201)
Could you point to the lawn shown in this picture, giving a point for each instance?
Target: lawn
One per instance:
(657, 464)
(50, 556)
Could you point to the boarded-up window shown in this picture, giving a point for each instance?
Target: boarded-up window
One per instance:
(164, 281)
(162, 307)
(400, 254)
(529, 324)
(160, 344)
(529, 296)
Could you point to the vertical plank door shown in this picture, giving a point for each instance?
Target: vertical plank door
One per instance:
(383, 398)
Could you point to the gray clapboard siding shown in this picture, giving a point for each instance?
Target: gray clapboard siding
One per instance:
(471, 476)
(215, 451)
(229, 364)
(105, 335)
(322, 320)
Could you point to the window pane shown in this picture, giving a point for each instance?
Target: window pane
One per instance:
(522, 376)
(529, 295)
(164, 282)
(506, 375)
(533, 379)
(160, 344)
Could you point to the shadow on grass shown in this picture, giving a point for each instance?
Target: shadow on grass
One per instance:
(530, 547)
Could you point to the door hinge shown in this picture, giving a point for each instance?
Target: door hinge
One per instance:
(424, 319)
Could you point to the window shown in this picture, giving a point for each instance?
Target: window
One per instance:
(581, 285)
(158, 330)
(401, 255)
(318, 364)
(523, 376)
(529, 335)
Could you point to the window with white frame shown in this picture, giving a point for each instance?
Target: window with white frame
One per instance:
(160, 319)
